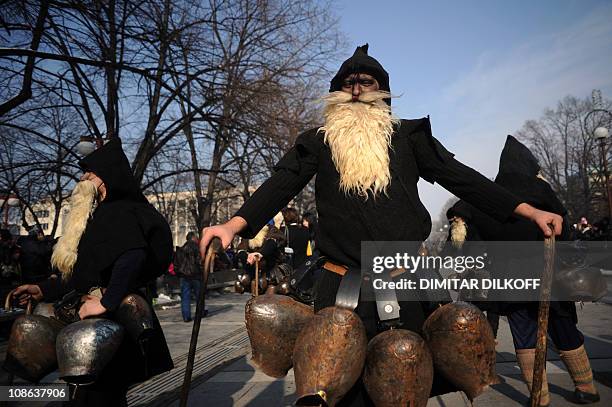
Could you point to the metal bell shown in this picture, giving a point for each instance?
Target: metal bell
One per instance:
(31, 347)
(238, 287)
(85, 347)
(135, 314)
(462, 346)
(245, 279)
(398, 370)
(328, 357)
(273, 323)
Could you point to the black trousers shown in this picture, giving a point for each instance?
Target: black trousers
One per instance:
(412, 317)
(561, 328)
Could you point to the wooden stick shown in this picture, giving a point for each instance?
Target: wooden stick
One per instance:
(208, 266)
(539, 367)
(256, 291)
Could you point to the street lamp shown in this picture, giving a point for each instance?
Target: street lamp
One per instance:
(601, 133)
(88, 144)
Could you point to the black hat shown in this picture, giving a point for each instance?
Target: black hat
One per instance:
(361, 62)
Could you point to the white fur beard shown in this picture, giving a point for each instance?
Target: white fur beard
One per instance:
(458, 230)
(65, 252)
(359, 136)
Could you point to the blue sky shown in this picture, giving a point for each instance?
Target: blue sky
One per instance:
(480, 69)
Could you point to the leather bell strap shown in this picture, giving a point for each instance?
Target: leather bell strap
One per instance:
(348, 293)
(349, 290)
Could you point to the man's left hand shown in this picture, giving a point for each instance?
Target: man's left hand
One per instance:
(541, 218)
(91, 307)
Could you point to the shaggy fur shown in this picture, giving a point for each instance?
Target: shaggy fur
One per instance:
(458, 230)
(81, 206)
(359, 136)
(259, 239)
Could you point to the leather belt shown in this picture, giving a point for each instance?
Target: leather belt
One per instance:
(335, 268)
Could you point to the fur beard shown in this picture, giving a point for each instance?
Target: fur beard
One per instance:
(259, 239)
(458, 230)
(65, 252)
(359, 136)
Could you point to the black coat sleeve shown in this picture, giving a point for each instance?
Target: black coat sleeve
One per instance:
(436, 164)
(291, 174)
(124, 275)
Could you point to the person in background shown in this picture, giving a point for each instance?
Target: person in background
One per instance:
(309, 221)
(188, 267)
(35, 256)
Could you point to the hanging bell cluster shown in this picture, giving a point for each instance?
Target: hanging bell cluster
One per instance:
(276, 282)
(40, 342)
(329, 351)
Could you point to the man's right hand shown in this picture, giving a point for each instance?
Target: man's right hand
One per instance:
(27, 291)
(225, 232)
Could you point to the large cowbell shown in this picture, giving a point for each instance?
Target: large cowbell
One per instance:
(329, 357)
(463, 346)
(135, 314)
(31, 347)
(273, 323)
(85, 347)
(398, 370)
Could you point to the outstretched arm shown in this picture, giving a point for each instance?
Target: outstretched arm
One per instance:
(291, 174)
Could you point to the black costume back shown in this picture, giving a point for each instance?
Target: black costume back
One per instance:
(125, 245)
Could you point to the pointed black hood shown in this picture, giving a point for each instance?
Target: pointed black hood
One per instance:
(516, 158)
(111, 165)
(123, 221)
(518, 173)
(361, 62)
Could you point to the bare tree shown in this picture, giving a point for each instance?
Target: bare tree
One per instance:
(212, 87)
(569, 155)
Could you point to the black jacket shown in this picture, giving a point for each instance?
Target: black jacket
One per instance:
(346, 221)
(297, 239)
(188, 262)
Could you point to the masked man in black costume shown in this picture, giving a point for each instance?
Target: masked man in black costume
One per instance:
(117, 247)
(367, 164)
(519, 172)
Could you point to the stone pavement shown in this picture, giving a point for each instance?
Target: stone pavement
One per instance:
(240, 384)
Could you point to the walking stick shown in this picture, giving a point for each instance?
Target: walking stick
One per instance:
(208, 265)
(256, 290)
(539, 367)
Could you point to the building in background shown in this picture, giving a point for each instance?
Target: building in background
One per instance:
(177, 207)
